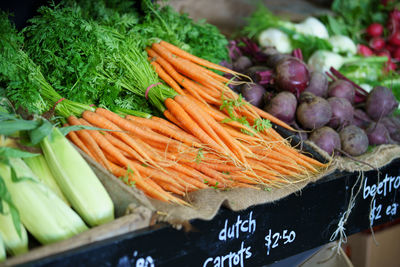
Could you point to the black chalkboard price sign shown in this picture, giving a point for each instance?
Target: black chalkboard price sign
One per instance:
(259, 235)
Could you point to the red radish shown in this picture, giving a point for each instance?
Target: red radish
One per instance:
(364, 50)
(395, 14)
(390, 66)
(396, 54)
(391, 48)
(377, 43)
(394, 38)
(384, 53)
(393, 25)
(375, 30)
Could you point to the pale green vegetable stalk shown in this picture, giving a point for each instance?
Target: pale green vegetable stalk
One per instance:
(2, 250)
(77, 180)
(15, 244)
(42, 212)
(42, 171)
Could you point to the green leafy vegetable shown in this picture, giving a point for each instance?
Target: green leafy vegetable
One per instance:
(263, 19)
(199, 38)
(26, 85)
(352, 17)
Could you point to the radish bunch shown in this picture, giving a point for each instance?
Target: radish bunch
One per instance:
(384, 40)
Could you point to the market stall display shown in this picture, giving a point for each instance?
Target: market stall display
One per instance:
(165, 105)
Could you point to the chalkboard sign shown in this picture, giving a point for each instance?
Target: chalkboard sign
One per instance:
(257, 236)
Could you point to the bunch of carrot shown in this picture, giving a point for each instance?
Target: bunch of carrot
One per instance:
(263, 151)
(153, 154)
(213, 138)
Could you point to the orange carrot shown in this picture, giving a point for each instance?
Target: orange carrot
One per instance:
(75, 139)
(185, 82)
(139, 182)
(129, 126)
(184, 67)
(171, 188)
(216, 128)
(167, 124)
(189, 124)
(200, 61)
(172, 118)
(85, 135)
(100, 121)
(209, 172)
(200, 119)
(163, 75)
(180, 136)
(155, 174)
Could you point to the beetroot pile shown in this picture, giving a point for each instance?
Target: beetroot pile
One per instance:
(333, 112)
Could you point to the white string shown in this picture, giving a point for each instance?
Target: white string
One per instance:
(340, 230)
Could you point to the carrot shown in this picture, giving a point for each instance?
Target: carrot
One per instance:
(219, 116)
(209, 172)
(222, 167)
(172, 118)
(167, 124)
(129, 126)
(183, 66)
(271, 118)
(155, 174)
(183, 81)
(139, 182)
(200, 61)
(163, 75)
(197, 175)
(171, 188)
(100, 121)
(180, 136)
(216, 128)
(94, 148)
(200, 119)
(189, 124)
(186, 181)
(122, 146)
(108, 148)
(75, 139)
(148, 186)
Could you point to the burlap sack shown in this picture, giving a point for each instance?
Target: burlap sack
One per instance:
(206, 203)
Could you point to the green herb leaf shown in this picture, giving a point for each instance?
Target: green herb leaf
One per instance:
(38, 134)
(8, 152)
(6, 197)
(199, 156)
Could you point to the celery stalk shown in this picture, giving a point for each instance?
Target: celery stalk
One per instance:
(77, 180)
(14, 243)
(39, 167)
(42, 212)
